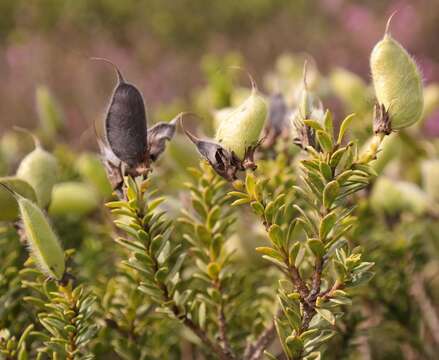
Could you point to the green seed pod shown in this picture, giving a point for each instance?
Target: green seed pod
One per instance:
(9, 206)
(220, 115)
(243, 127)
(397, 82)
(430, 178)
(49, 113)
(394, 197)
(73, 198)
(43, 243)
(40, 169)
(91, 170)
(350, 88)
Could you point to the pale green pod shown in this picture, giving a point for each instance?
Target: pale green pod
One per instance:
(397, 82)
(243, 127)
(393, 197)
(8, 204)
(350, 88)
(91, 170)
(73, 198)
(430, 178)
(40, 169)
(220, 115)
(43, 243)
(49, 113)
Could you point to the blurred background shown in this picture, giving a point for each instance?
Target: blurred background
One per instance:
(161, 46)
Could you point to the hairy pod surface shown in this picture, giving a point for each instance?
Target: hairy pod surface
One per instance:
(397, 82)
(8, 204)
(73, 198)
(40, 169)
(43, 243)
(244, 125)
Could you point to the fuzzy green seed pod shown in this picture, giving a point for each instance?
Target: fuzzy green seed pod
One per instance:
(43, 243)
(393, 197)
(40, 169)
(243, 127)
(9, 206)
(397, 82)
(73, 198)
(350, 88)
(91, 170)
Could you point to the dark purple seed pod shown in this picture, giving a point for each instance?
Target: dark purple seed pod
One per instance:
(125, 122)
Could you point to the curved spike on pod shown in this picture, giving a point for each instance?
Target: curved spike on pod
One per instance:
(120, 78)
(254, 86)
(36, 140)
(387, 31)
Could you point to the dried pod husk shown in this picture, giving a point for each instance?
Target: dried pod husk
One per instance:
(9, 207)
(430, 178)
(394, 197)
(397, 82)
(225, 163)
(73, 198)
(158, 135)
(241, 130)
(42, 241)
(40, 169)
(49, 112)
(91, 170)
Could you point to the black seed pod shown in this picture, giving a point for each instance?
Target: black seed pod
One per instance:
(125, 123)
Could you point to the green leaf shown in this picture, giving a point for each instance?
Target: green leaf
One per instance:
(213, 270)
(336, 157)
(313, 124)
(202, 315)
(265, 250)
(295, 345)
(330, 193)
(324, 140)
(329, 123)
(241, 202)
(326, 171)
(269, 355)
(294, 250)
(276, 235)
(257, 207)
(250, 186)
(344, 126)
(326, 225)
(327, 315)
(317, 247)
